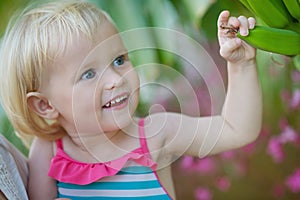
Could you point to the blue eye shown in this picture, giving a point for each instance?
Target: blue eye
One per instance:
(89, 74)
(119, 60)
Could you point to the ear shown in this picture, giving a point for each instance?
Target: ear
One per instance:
(41, 106)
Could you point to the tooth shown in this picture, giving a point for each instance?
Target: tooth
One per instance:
(107, 105)
(112, 102)
(118, 100)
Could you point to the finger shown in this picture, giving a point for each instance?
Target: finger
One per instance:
(223, 18)
(251, 22)
(234, 22)
(244, 25)
(229, 46)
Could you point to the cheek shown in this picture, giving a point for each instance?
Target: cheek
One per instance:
(84, 100)
(133, 79)
(135, 85)
(63, 103)
(62, 99)
(85, 110)
(134, 101)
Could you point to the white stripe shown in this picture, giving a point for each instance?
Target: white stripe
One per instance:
(111, 193)
(129, 178)
(131, 164)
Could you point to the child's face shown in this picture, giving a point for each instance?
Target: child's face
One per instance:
(93, 86)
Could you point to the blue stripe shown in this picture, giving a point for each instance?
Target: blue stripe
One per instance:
(112, 185)
(156, 197)
(135, 170)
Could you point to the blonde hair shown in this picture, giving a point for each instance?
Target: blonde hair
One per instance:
(29, 43)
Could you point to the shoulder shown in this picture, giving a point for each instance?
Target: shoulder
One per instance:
(164, 122)
(156, 124)
(158, 127)
(41, 143)
(175, 131)
(41, 149)
(161, 130)
(41, 153)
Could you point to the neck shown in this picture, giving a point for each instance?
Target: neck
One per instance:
(88, 142)
(103, 146)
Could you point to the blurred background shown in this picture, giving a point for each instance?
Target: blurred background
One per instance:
(269, 168)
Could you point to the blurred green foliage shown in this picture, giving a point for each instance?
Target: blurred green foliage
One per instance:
(197, 18)
(8, 8)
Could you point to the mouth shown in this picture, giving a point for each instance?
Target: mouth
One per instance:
(117, 101)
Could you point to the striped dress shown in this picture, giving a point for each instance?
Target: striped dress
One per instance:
(131, 177)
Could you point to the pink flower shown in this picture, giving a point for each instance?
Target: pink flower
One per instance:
(288, 135)
(206, 165)
(202, 193)
(264, 133)
(295, 100)
(275, 150)
(250, 148)
(223, 183)
(228, 155)
(293, 181)
(296, 76)
(187, 162)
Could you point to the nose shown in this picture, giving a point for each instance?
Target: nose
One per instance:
(112, 79)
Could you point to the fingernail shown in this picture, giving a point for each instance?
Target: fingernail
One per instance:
(244, 33)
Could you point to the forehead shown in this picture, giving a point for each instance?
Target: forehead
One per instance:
(104, 44)
(66, 40)
(105, 40)
(52, 26)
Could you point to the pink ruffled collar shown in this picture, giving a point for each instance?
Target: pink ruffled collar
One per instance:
(65, 169)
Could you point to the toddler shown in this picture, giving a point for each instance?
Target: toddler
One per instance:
(67, 79)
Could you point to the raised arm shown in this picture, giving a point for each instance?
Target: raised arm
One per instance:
(242, 110)
(241, 117)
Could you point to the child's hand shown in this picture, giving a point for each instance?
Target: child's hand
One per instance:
(233, 49)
